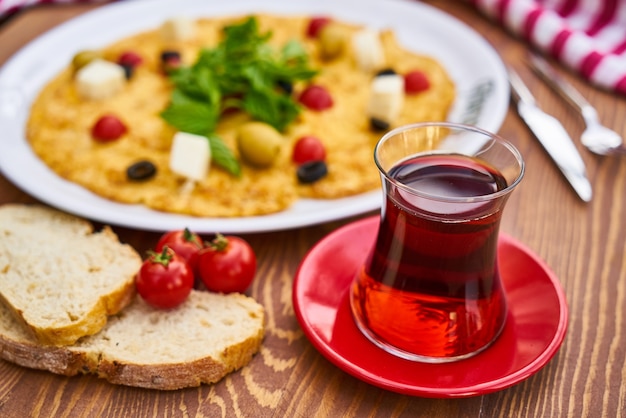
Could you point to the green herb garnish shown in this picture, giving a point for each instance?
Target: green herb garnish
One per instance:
(242, 72)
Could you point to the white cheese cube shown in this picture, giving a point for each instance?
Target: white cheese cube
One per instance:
(386, 97)
(190, 156)
(100, 79)
(368, 50)
(178, 28)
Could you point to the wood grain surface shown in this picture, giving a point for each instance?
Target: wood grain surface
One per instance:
(584, 244)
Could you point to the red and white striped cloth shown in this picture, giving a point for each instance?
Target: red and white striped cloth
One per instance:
(588, 36)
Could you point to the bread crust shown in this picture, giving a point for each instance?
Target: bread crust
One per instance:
(29, 354)
(174, 376)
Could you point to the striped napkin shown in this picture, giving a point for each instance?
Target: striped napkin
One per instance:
(588, 36)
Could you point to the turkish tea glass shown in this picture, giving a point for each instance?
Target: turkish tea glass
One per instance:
(430, 289)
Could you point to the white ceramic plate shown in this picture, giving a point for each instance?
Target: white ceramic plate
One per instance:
(476, 69)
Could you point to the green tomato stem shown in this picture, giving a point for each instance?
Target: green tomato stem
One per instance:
(164, 257)
(219, 243)
(189, 236)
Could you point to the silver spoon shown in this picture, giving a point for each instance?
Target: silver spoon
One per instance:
(596, 137)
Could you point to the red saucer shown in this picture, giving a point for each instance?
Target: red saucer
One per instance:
(535, 327)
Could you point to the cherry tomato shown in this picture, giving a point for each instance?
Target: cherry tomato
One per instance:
(227, 264)
(129, 58)
(108, 128)
(308, 148)
(184, 243)
(315, 25)
(415, 82)
(165, 279)
(316, 98)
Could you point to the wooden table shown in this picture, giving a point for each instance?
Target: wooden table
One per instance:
(584, 244)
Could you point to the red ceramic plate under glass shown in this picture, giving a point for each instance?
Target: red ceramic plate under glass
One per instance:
(535, 327)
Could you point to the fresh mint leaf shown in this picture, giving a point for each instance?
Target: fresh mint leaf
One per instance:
(190, 116)
(244, 38)
(223, 156)
(271, 107)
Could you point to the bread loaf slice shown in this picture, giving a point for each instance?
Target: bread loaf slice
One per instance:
(60, 278)
(201, 341)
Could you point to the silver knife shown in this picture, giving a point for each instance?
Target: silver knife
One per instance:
(553, 137)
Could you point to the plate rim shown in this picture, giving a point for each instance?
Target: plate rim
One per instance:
(84, 203)
(480, 388)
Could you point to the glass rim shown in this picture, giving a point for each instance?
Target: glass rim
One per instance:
(460, 127)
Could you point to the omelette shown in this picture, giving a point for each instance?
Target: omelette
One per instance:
(60, 125)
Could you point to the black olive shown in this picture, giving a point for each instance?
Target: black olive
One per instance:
(141, 170)
(128, 70)
(286, 86)
(170, 55)
(311, 171)
(379, 124)
(386, 71)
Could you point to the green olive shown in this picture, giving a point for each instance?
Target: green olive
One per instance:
(333, 39)
(83, 58)
(258, 143)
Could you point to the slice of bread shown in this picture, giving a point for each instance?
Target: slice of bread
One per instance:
(60, 278)
(201, 341)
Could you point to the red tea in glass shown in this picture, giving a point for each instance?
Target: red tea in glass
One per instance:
(430, 289)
